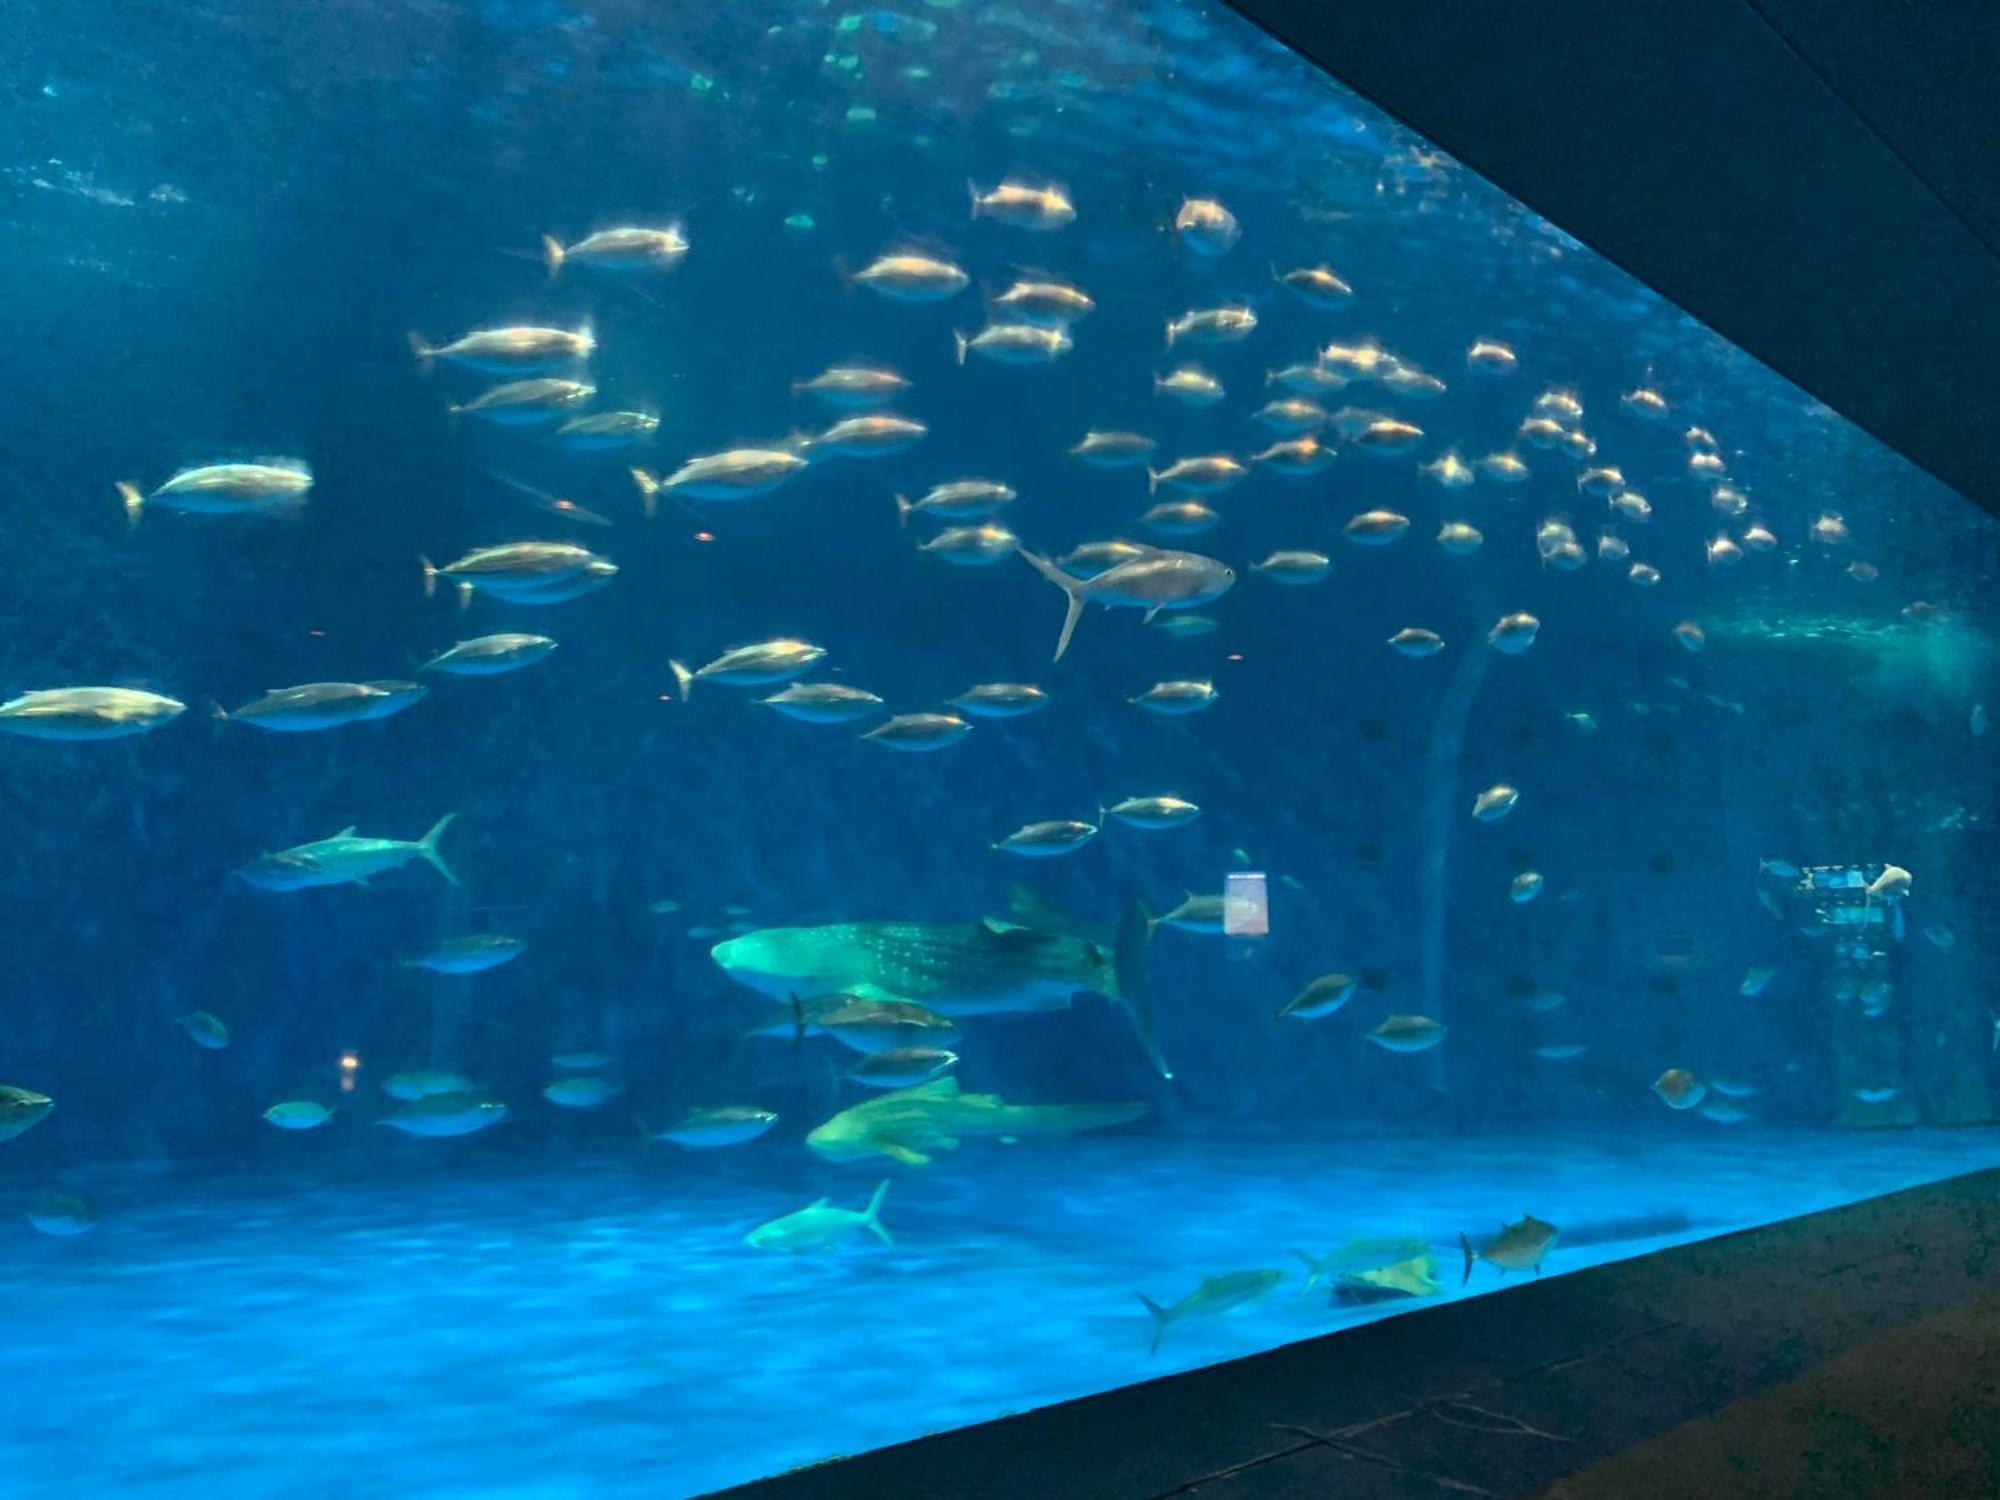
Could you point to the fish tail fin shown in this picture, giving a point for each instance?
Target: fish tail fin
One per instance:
(1312, 1268)
(645, 1138)
(427, 846)
(650, 486)
(1128, 968)
(1161, 1318)
(871, 1217)
(1070, 587)
(552, 253)
(1465, 1245)
(972, 192)
(464, 596)
(133, 501)
(430, 577)
(1152, 480)
(426, 355)
(217, 712)
(683, 679)
(903, 509)
(798, 1020)
(960, 343)
(1170, 333)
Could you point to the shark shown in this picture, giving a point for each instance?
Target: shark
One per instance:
(1215, 1295)
(21, 1110)
(820, 1226)
(951, 968)
(348, 858)
(910, 1124)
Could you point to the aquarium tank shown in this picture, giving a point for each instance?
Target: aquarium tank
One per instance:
(735, 731)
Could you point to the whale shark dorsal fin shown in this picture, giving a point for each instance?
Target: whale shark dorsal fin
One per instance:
(1031, 909)
(347, 832)
(1009, 934)
(817, 1203)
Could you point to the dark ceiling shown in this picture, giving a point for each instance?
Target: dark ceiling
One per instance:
(1817, 180)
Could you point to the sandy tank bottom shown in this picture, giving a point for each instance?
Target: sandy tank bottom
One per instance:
(519, 1331)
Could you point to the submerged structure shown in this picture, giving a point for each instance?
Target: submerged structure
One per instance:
(1522, 800)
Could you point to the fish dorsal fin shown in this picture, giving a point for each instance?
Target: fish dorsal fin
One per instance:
(1031, 909)
(875, 992)
(817, 1203)
(347, 832)
(1009, 935)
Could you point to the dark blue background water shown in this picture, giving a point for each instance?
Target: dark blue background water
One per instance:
(221, 223)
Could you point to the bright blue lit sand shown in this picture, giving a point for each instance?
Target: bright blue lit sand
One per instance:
(604, 1332)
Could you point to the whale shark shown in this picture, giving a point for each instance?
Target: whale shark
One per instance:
(952, 968)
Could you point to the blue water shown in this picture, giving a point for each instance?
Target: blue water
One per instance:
(589, 1329)
(222, 226)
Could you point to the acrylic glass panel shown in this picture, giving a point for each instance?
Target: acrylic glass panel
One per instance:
(1654, 915)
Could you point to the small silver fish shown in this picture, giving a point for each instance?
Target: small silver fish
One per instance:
(723, 1125)
(868, 436)
(521, 403)
(1294, 567)
(298, 1114)
(473, 954)
(1014, 343)
(912, 276)
(205, 1029)
(627, 248)
(1022, 204)
(225, 489)
(1002, 700)
(520, 350)
(491, 655)
(1322, 997)
(1178, 697)
(1049, 839)
(1154, 812)
(1204, 226)
(972, 546)
(960, 500)
(1228, 324)
(1114, 450)
(919, 732)
(758, 664)
(315, 705)
(823, 702)
(854, 385)
(87, 713)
